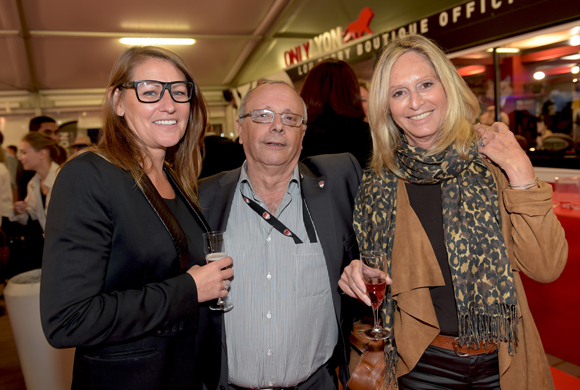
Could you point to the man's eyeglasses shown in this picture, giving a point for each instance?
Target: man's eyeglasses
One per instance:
(151, 91)
(267, 116)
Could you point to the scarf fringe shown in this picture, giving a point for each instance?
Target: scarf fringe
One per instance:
(391, 358)
(490, 324)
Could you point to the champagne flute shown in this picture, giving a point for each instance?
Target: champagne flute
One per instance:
(372, 267)
(215, 249)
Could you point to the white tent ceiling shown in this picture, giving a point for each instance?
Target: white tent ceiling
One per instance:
(57, 54)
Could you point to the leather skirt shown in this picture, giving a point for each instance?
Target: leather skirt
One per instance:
(440, 368)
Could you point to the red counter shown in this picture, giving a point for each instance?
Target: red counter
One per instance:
(556, 306)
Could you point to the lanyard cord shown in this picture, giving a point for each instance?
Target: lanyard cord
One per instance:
(276, 224)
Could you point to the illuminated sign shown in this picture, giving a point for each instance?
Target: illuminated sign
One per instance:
(330, 41)
(462, 26)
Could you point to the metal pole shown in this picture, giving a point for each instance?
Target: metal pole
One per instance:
(496, 84)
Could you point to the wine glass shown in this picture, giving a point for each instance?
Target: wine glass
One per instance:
(215, 249)
(372, 267)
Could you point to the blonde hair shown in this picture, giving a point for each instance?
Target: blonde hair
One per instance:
(462, 105)
(120, 146)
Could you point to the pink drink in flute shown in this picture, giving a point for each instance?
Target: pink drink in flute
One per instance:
(372, 265)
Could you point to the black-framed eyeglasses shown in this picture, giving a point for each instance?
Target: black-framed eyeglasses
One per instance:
(267, 116)
(151, 91)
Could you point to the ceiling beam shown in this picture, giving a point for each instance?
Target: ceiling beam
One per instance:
(34, 87)
(267, 27)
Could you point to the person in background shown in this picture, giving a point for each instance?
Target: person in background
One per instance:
(124, 277)
(488, 117)
(289, 228)
(37, 154)
(5, 207)
(12, 149)
(456, 208)
(12, 165)
(336, 117)
(6, 194)
(81, 142)
(364, 96)
(220, 154)
(47, 126)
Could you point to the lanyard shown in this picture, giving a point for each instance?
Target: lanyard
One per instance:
(276, 224)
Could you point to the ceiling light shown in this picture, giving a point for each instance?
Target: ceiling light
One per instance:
(539, 75)
(505, 50)
(573, 57)
(157, 41)
(575, 69)
(575, 40)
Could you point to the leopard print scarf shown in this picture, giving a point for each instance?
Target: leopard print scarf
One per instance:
(483, 282)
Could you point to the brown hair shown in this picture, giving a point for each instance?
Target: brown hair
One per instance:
(462, 105)
(40, 142)
(332, 85)
(119, 145)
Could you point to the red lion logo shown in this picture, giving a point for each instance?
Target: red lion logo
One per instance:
(360, 26)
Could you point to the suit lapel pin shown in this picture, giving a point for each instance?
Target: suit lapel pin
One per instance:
(321, 183)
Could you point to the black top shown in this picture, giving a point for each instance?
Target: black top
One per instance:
(426, 202)
(331, 133)
(206, 352)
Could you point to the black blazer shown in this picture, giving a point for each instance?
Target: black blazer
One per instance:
(114, 284)
(329, 185)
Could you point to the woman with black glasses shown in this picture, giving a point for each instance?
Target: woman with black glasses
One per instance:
(124, 278)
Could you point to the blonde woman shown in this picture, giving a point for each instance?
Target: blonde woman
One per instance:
(460, 213)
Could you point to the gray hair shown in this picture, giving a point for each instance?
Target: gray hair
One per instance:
(242, 110)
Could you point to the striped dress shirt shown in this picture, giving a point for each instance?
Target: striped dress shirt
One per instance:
(283, 326)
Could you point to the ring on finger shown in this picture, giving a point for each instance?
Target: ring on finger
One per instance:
(480, 143)
(227, 284)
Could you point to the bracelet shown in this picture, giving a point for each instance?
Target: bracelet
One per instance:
(531, 184)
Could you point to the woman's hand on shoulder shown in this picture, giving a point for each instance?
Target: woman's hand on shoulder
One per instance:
(211, 279)
(498, 144)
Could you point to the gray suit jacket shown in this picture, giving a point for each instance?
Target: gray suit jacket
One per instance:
(329, 184)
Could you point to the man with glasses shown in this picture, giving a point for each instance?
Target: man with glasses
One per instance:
(288, 227)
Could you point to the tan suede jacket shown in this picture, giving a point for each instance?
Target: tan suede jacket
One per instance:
(536, 246)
